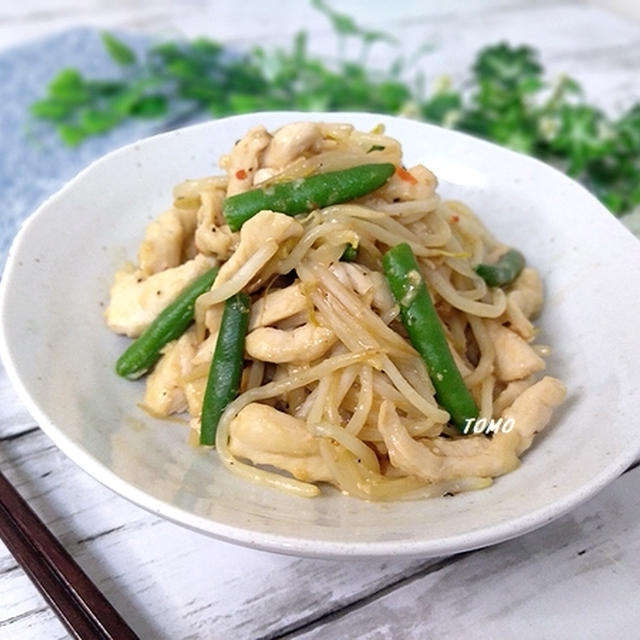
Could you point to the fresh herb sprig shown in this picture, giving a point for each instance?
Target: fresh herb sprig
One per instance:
(507, 99)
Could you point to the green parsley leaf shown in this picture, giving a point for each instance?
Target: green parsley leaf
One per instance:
(118, 50)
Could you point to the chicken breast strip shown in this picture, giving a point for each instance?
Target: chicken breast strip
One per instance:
(441, 459)
(265, 435)
(136, 300)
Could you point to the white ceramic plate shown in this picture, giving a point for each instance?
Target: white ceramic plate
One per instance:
(60, 356)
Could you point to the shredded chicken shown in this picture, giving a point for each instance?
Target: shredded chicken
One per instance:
(205, 349)
(524, 301)
(302, 344)
(194, 395)
(265, 435)
(324, 342)
(531, 411)
(244, 160)
(265, 227)
(136, 300)
(419, 186)
(527, 292)
(164, 393)
(262, 175)
(515, 359)
(441, 459)
(213, 236)
(277, 305)
(366, 283)
(291, 141)
(163, 242)
(506, 397)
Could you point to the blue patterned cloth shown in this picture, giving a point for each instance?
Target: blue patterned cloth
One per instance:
(34, 163)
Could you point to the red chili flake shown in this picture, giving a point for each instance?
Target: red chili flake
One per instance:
(455, 218)
(241, 174)
(405, 175)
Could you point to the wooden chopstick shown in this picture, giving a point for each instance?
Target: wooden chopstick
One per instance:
(79, 604)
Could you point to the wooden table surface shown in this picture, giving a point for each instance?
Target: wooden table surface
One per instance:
(578, 577)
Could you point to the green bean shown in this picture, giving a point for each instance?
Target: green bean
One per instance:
(349, 254)
(427, 333)
(306, 194)
(170, 324)
(503, 272)
(226, 366)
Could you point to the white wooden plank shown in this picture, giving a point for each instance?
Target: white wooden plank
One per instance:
(166, 581)
(228, 20)
(626, 8)
(577, 577)
(14, 418)
(172, 583)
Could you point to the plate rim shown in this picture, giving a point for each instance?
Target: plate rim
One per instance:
(275, 542)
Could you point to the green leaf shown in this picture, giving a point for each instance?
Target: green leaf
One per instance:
(344, 24)
(69, 86)
(72, 135)
(94, 121)
(580, 138)
(51, 109)
(369, 37)
(299, 52)
(613, 201)
(244, 102)
(106, 88)
(531, 85)
(118, 50)
(202, 92)
(397, 66)
(571, 86)
(151, 106)
(123, 103)
(185, 68)
(518, 139)
(627, 130)
(165, 51)
(634, 196)
(440, 105)
(207, 47)
(505, 66)
(392, 95)
(506, 99)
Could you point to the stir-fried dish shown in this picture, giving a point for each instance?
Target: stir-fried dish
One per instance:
(323, 316)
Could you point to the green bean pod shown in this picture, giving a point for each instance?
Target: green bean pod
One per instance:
(350, 254)
(504, 271)
(226, 366)
(427, 333)
(306, 194)
(170, 324)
